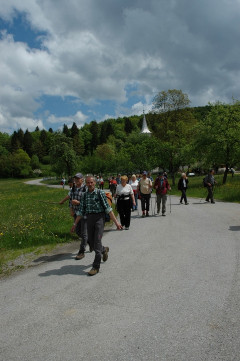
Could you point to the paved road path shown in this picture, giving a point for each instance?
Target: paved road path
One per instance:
(169, 291)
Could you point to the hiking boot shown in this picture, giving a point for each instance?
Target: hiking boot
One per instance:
(186, 203)
(93, 272)
(213, 202)
(80, 255)
(163, 214)
(147, 214)
(143, 214)
(105, 254)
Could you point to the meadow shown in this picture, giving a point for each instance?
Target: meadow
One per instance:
(33, 221)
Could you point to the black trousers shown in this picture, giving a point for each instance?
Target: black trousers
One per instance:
(145, 200)
(210, 194)
(183, 196)
(124, 210)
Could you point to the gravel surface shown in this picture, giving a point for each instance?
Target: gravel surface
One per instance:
(168, 291)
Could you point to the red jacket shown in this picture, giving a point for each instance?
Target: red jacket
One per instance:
(161, 187)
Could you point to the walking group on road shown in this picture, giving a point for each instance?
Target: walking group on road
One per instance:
(89, 205)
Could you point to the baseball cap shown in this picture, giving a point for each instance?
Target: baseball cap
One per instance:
(144, 173)
(78, 175)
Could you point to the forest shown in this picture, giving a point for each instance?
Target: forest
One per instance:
(196, 138)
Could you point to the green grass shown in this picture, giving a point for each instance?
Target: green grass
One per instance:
(30, 219)
(230, 192)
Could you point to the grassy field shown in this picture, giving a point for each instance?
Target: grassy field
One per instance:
(32, 221)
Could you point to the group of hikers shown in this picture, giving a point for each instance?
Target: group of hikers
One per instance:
(90, 205)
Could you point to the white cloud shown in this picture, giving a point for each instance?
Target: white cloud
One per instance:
(92, 50)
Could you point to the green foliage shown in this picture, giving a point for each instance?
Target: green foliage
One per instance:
(63, 156)
(217, 139)
(201, 137)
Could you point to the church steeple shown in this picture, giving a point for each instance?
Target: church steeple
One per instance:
(145, 129)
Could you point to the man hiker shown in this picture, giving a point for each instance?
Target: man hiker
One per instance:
(162, 187)
(93, 206)
(209, 181)
(81, 229)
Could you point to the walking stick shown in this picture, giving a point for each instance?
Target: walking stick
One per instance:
(170, 203)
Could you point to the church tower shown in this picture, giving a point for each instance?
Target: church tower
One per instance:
(145, 129)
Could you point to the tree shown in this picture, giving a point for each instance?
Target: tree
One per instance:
(63, 157)
(20, 164)
(66, 130)
(74, 130)
(166, 101)
(128, 127)
(16, 142)
(218, 136)
(28, 143)
(174, 127)
(94, 130)
(35, 162)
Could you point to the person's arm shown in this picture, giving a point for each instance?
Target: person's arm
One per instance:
(64, 199)
(133, 199)
(114, 219)
(132, 195)
(75, 223)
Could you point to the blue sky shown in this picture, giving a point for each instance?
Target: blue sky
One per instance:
(85, 60)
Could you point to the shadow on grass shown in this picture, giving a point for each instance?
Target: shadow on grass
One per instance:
(234, 228)
(78, 270)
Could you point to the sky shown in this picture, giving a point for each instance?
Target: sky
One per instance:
(65, 61)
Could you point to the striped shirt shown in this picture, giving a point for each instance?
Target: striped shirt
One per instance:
(94, 202)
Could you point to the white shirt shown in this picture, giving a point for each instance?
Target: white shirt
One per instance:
(126, 190)
(134, 184)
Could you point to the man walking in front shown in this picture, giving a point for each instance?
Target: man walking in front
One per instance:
(94, 205)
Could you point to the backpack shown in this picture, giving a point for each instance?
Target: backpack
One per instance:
(109, 200)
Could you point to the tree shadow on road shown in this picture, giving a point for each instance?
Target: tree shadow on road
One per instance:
(66, 270)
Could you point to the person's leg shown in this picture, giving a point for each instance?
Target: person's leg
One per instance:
(84, 235)
(136, 200)
(184, 196)
(164, 201)
(127, 211)
(120, 208)
(211, 195)
(147, 202)
(98, 233)
(158, 202)
(143, 202)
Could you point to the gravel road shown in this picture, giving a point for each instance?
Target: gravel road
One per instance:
(169, 291)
